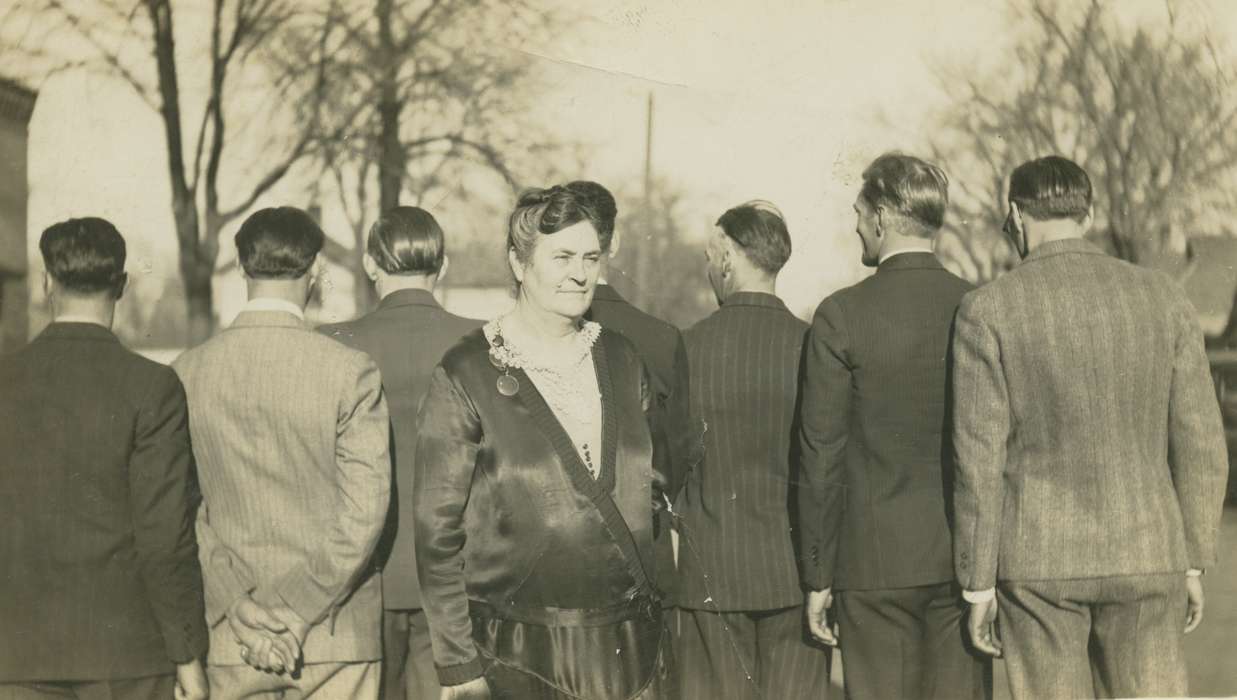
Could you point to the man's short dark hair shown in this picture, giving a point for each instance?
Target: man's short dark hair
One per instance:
(760, 231)
(1051, 187)
(86, 256)
(407, 241)
(604, 208)
(278, 243)
(908, 186)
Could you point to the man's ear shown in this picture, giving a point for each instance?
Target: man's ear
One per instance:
(370, 266)
(122, 286)
(615, 240)
(442, 271)
(1089, 219)
(880, 221)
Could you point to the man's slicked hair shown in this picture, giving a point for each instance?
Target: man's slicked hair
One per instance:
(85, 256)
(1051, 187)
(278, 243)
(759, 229)
(407, 241)
(908, 186)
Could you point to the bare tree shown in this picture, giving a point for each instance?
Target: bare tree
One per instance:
(1147, 110)
(137, 40)
(425, 96)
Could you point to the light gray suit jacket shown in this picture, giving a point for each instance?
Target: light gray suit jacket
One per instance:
(1086, 427)
(290, 433)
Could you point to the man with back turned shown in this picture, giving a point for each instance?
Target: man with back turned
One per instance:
(873, 529)
(1090, 457)
(101, 591)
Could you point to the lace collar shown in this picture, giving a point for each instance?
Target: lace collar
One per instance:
(503, 353)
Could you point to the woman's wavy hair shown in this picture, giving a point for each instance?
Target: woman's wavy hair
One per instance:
(543, 212)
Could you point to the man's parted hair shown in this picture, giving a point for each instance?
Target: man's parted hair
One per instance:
(1051, 187)
(759, 229)
(407, 241)
(908, 186)
(278, 243)
(85, 256)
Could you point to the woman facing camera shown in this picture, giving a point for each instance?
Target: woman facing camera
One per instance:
(534, 487)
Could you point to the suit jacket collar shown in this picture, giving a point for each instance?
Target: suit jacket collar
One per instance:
(1062, 247)
(910, 261)
(77, 331)
(258, 319)
(408, 297)
(605, 292)
(762, 299)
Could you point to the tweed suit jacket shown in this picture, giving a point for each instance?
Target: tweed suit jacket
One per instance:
(99, 576)
(872, 489)
(406, 336)
(736, 549)
(290, 432)
(1086, 426)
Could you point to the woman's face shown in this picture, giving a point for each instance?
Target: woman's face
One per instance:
(562, 271)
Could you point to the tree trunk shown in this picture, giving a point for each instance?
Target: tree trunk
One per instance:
(391, 158)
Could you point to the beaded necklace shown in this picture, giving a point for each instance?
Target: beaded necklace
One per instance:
(568, 384)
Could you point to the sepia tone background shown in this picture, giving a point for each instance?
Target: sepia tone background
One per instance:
(175, 119)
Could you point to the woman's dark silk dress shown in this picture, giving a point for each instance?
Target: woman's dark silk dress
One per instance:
(533, 573)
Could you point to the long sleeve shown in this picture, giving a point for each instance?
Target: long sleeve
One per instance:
(824, 429)
(163, 497)
(980, 430)
(1197, 454)
(685, 442)
(449, 431)
(363, 481)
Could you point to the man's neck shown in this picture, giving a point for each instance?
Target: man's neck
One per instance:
(389, 284)
(1042, 232)
(292, 291)
(897, 245)
(756, 285)
(97, 312)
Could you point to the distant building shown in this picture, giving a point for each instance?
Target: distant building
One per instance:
(16, 106)
(1208, 272)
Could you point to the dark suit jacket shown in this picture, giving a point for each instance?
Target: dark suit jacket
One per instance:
(745, 365)
(406, 336)
(100, 575)
(661, 348)
(1086, 426)
(872, 499)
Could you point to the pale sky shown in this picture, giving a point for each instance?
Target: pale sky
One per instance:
(781, 100)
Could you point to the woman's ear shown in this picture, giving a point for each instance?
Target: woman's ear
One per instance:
(517, 267)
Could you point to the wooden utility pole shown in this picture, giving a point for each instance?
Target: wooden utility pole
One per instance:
(645, 253)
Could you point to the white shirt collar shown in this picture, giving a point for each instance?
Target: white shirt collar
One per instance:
(925, 248)
(269, 304)
(77, 318)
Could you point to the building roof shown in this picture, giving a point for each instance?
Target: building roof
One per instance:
(1209, 275)
(16, 101)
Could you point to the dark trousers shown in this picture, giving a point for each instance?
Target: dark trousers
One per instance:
(766, 654)
(908, 643)
(407, 661)
(1109, 637)
(150, 688)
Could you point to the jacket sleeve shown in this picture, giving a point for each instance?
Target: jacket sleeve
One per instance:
(449, 436)
(824, 429)
(363, 488)
(981, 426)
(163, 496)
(1197, 454)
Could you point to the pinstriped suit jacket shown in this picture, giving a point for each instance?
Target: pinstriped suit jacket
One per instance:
(290, 433)
(1087, 431)
(744, 361)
